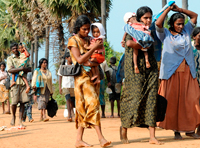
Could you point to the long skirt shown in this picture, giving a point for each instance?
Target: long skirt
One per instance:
(87, 101)
(182, 94)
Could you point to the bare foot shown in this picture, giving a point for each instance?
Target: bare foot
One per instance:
(82, 144)
(12, 84)
(111, 116)
(69, 119)
(155, 141)
(13, 121)
(97, 81)
(136, 69)
(46, 119)
(94, 77)
(193, 135)
(148, 64)
(177, 136)
(21, 124)
(28, 89)
(7, 112)
(104, 142)
(31, 120)
(123, 135)
(103, 116)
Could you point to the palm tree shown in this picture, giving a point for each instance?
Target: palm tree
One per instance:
(185, 6)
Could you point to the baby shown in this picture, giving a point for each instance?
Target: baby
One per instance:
(98, 56)
(24, 58)
(140, 34)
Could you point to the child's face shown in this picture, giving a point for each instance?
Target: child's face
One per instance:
(132, 20)
(95, 32)
(69, 59)
(21, 48)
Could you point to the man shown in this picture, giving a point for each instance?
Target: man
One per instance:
(17, 92)
(105, 69)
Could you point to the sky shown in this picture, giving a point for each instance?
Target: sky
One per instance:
(115, 22)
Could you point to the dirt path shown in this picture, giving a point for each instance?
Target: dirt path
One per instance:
(58, 133)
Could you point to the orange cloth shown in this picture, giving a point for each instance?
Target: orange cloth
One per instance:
(182, 94)
(100, 58)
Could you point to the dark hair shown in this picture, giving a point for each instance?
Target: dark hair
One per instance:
(196, 31)
(93, 27)
(173, 18)
(113, 60)
(3, 63)
(41, 61)
(80, 21)
(20, 44)
(13, 45)
(141, 11)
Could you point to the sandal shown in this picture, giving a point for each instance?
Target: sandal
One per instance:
(46, 119)
(69, 119)
(104, 144)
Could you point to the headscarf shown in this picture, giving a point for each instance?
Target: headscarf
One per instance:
(101, 29)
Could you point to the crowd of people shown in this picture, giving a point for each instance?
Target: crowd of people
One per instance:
(179, 76)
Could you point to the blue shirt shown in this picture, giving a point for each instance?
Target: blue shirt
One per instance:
(197, 63)
(176, 48)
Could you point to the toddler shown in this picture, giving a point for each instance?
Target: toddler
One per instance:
(24, 58)
(98, 56)
(140, 34)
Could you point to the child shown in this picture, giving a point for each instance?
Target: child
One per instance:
(98, 33)
(139, 31)
(67, 83)
(24, 54)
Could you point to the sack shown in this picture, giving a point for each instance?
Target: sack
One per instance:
(161, 108)
(70, 70)
(52, 108)
(101, 73)
(7, 81)
(113, 78)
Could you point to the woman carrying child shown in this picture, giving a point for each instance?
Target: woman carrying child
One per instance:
(86, 92)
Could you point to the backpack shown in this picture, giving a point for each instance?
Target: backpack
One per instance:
(113, 78)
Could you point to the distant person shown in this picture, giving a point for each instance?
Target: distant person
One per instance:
(28, 106)
(113, 80)
(42, 81)
(4, 93)
(66, 87)
(105, 69)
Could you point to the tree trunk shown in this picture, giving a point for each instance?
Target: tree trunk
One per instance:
(61, 39)
(32, 54)
(103, 14)
(185, 6)
(21, 38)
(36, 51)
(47, 43)
(164, 2)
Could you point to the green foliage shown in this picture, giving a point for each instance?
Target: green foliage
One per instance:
(57, 96)
(109, 52)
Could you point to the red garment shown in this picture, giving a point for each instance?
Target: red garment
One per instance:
(100, 58)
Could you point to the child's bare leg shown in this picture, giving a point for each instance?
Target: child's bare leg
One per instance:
(135, 54)
(93, 60)
(94, 75)
(147, 59)
(13, 80)
(27, 86)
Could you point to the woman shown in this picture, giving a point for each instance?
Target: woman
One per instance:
(177, 73)
(42, 81)
(138, 100)
(4, 93)
(86, 93)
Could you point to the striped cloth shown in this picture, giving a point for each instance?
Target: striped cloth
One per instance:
(197, 63)
(39, 81)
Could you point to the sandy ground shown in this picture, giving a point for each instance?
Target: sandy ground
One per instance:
(58, 133)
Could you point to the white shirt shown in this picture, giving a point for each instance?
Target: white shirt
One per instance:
(3, 74)
(67, 81)
(104, 66)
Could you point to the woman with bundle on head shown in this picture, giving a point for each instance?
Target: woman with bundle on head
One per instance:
(177, 73)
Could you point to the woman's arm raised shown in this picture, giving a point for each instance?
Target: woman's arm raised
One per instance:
(160, 20)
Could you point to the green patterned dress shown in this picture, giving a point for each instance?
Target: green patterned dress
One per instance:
(138, 100)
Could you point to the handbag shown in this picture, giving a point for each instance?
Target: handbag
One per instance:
(52, 107)
(7, 81)
(161, 108)
(70, 70)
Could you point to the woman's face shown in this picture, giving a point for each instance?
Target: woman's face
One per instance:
(44, 64)
(2, 67)
(179, 25)
(197, 38)
(84, 30)
(146, 19)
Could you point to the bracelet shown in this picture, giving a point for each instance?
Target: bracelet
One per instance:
(123, 42)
